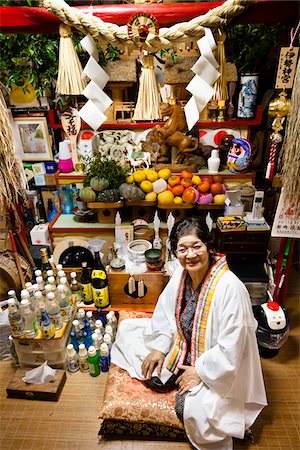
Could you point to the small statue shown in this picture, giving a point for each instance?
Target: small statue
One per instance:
(239, 155)
(170, 134)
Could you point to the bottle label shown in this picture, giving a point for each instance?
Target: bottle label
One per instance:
(84, 367)
(65, 313)
(34, 326)
(86, 293)
(73, 365)
(17, 329)
(48, 332)
(99, 274)
(94, 369)
(100, 297)
(56, 319)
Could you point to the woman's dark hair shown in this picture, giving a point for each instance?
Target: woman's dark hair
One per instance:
(187, 226)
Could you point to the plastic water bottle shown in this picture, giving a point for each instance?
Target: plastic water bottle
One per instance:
(109, 330)
(107, 340)
(99, 326)
(96, 342)
(77, 330)
(99, 337)
(89, 316)
(29, 319)
(51, 281)
(74, 340)
(12, 294)
(46, 325)
(64, 303)
(15, 318)
(83, 354)
(72, 359)
(53, 310)
(93, 361)
(104, 357)
(80, 316)
(87, 340)
(112, 321)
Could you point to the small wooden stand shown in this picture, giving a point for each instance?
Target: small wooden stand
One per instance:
(106, 212)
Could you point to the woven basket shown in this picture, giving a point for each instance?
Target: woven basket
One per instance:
(9, 273)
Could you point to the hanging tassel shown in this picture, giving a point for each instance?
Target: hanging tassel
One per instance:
(131, 285)
(141, 288)
(70, 80)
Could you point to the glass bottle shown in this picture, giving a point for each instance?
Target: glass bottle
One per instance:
(109, 330)
(53, 311)
(29, 289)
(74, 340)
(40, 209)
(40, 283)
(75, 286)
(93, 361)
(60, 274)
(37, 273)
(50, 273)
(112, 321)
(83, 364)
(99, 326)
(99, 337)
(104, 357)
(33, 279)
(86, 286)
(64, 303)
(72, 359)
(12, 349)
(99, 283)
(15, 318)
(77, 330)
(38, 302)
(89, 316)
(45, 263)
(46, 325)
(96, 342)
(66, 285)
(51, 281)
(12, 294)
(29, 320)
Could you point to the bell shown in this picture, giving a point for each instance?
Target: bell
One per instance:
(280, 106)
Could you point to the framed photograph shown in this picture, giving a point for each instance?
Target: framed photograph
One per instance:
(33, 138)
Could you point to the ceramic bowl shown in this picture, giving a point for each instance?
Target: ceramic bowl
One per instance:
(137, 248)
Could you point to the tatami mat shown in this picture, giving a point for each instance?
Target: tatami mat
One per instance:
(72, 422)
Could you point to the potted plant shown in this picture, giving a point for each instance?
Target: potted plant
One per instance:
(251, 47)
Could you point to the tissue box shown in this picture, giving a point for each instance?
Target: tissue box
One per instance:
(16, 388)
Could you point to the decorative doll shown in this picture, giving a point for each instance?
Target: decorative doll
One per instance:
(239, 155)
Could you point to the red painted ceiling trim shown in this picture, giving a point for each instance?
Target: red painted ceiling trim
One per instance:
(18, 19)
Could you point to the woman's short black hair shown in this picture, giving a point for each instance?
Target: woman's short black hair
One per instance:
(187, 226)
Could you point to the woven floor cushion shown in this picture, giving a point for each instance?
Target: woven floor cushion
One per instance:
(131, 409)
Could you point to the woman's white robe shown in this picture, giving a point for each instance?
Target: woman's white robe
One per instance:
(232, 392)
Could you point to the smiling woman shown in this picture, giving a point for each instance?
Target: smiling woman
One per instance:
(201, 340)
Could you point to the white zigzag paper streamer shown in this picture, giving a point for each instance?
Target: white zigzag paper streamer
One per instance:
(98, 101)
(206, 74)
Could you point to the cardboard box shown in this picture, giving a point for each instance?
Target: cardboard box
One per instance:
(39, 180)
(231, 223)
(39, 235)
(38, 168)
(16, 388)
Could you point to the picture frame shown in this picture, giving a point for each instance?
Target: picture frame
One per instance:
(33, 138)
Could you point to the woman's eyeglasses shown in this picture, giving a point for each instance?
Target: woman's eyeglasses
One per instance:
(196, 250)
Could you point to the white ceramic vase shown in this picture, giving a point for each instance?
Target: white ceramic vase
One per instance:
(213, 162)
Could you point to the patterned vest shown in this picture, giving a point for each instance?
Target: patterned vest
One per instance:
(201, 315)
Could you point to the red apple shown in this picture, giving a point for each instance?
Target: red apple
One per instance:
(208, 178)
(216, 188)
(218, 178)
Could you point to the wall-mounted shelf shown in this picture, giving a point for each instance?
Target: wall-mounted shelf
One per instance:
(234, 123)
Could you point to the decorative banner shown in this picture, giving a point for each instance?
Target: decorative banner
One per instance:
(206, 74)
(287, 219)
(98, 101)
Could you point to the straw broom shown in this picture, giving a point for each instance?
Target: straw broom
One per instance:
(147, 105)
(70, 80)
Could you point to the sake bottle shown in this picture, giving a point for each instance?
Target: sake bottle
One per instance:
(86, 286)
(99, 283)
(46, 324)
(75, 286)
(15, 318)
(29, 320)
(53, 310)
(45, 262)
(64, 303)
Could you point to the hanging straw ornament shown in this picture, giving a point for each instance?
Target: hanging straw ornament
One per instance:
(147, 105)
(221, 91)
(70, 80)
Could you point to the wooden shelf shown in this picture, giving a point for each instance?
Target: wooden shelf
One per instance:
(234, 123)
(18, 19)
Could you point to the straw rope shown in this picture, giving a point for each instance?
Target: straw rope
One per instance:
(87, 23)
(291, 147)
(11, 171)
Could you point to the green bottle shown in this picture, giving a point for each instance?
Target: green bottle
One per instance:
(93, 361)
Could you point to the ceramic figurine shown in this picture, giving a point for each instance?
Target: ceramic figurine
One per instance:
(239, 155)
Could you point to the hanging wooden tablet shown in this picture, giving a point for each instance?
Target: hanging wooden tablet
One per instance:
(286, 67)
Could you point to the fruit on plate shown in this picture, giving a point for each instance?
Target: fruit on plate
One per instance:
(151, 196)
(146, 186)
(216, 188)
(218, 178)
(178, 189)
(178, 200)
(219, 199)
(165, 197)
(203, 186)
(205, 199)
(151, 175)
(196, 179)
(164, 174)
(173, 180)
(189, 195)
(186, 174)
(139, 176)
(186, 182)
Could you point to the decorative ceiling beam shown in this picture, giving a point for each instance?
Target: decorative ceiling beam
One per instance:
(18, 19)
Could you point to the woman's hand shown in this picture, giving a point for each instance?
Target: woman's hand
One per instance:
(188, 379)
(154, 359)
